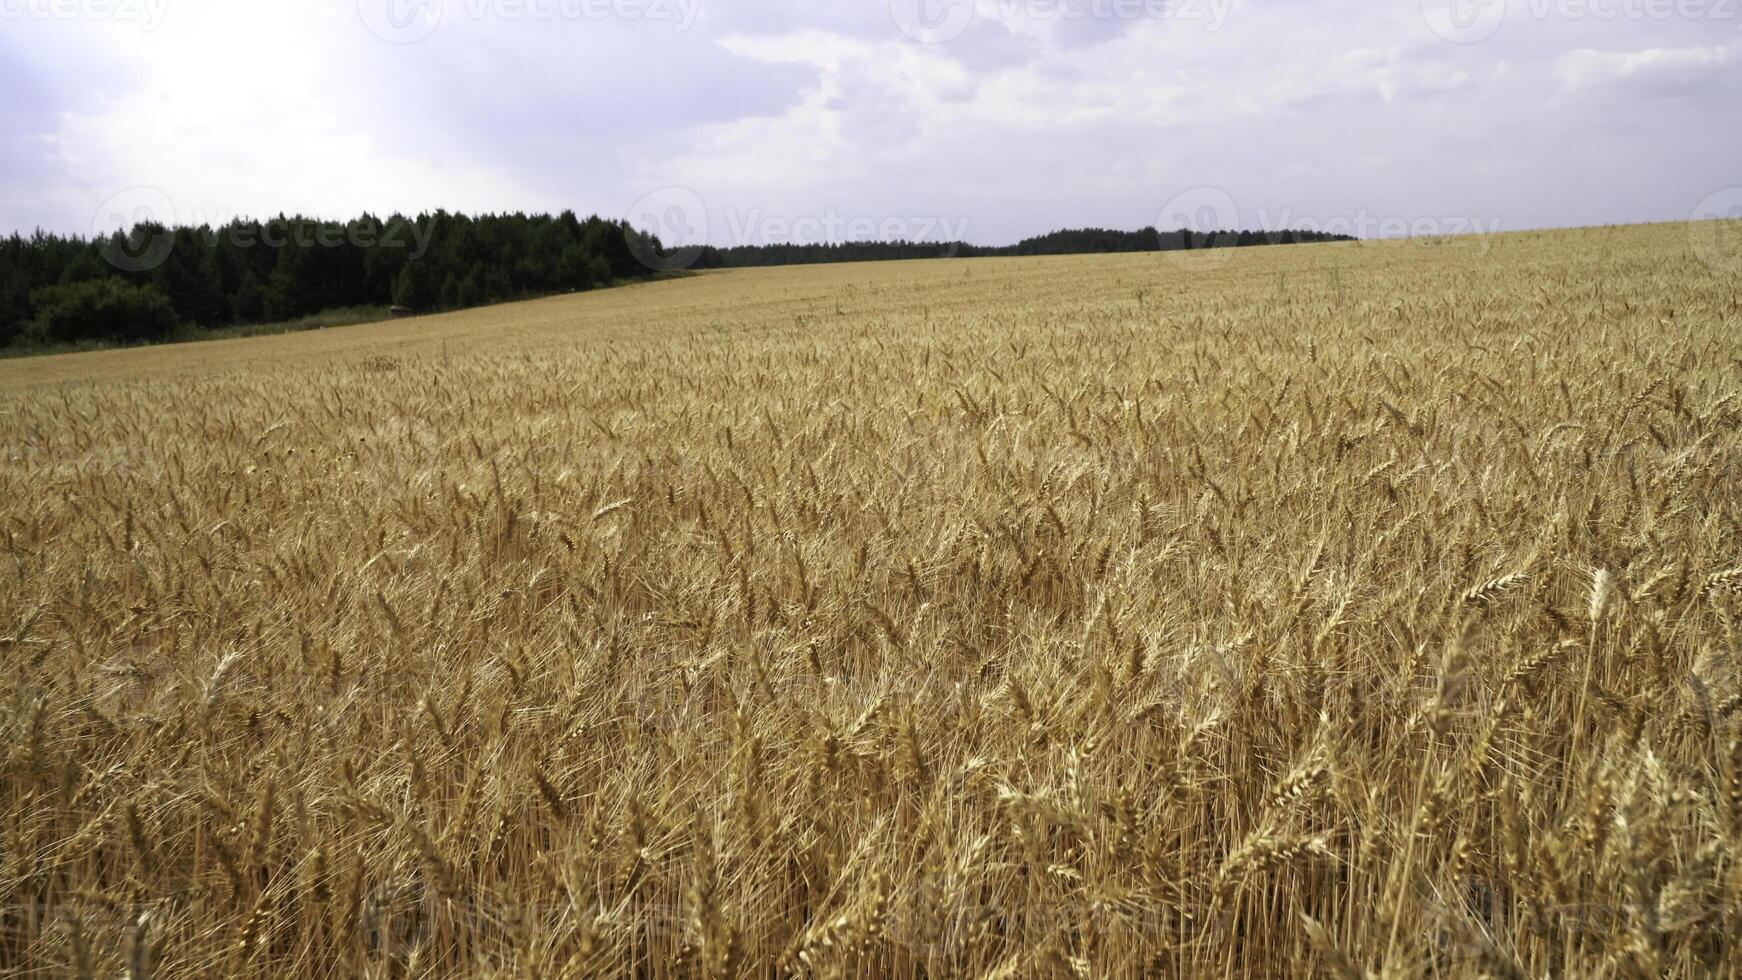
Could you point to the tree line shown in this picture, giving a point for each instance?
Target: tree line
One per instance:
(153, 282)
(1072, 241)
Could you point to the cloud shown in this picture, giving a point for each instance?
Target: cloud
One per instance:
(1029, 119)
(1660, 70)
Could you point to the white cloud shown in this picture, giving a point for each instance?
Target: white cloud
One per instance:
(1022, 123)
(1586, 68)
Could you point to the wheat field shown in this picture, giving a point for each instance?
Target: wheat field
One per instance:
(1365, 610)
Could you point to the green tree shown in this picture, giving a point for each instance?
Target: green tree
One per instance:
(418, 287)
(101, 309)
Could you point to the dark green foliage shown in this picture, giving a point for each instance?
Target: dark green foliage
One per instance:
(290, 268)
(100, 309)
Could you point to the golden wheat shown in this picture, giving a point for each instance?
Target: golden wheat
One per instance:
(1368, 609)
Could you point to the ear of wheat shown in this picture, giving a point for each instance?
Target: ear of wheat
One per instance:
(996, 626)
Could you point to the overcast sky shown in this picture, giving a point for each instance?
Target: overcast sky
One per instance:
(740, 120)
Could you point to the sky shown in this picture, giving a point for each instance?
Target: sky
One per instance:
(749, 121)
